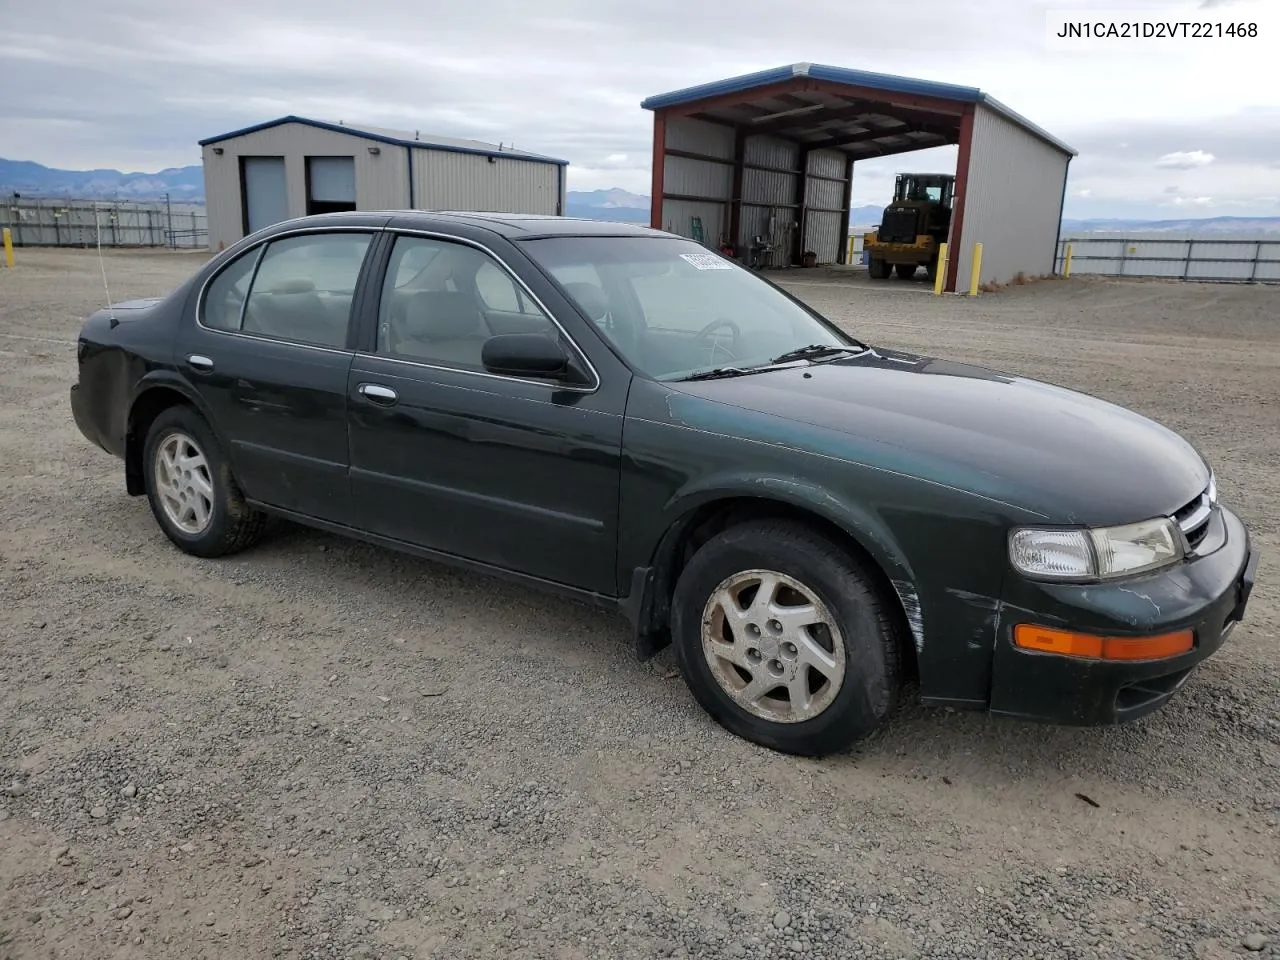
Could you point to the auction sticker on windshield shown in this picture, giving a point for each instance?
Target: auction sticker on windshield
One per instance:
(707, 261)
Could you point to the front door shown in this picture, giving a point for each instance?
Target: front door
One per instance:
(518, 474)
(269, 356)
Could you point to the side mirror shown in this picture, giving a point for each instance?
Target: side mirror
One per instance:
(528, 355)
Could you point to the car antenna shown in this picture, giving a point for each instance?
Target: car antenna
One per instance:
(102, 265)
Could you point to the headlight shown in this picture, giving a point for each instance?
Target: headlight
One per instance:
(1213, 488)
(1100, 554)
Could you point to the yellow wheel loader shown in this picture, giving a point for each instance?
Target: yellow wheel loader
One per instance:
(913, 227)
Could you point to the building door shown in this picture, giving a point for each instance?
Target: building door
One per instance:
(265, 198)
(331, 184)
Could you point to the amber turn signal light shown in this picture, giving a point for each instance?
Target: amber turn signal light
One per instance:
(1067, 643)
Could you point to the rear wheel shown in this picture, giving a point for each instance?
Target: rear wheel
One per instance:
(785, 640)
(878, 269)
(905, 271)
(192, 494)
(931, 269)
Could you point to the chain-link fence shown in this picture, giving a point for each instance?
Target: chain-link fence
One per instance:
(69, 222)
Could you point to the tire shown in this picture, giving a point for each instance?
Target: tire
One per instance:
(878, 269)
(931, 270)
(229, 524)
(864, 651)
(905, 271)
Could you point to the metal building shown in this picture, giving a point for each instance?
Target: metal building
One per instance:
(772, 154)
(293, 167)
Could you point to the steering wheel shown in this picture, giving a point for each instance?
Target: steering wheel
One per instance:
(710, 328)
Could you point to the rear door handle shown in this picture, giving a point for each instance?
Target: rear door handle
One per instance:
(200, 363)
(378, 393)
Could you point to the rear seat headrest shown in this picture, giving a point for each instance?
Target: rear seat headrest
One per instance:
(293, 285)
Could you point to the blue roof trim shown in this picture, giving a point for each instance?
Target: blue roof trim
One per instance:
(380, 138)
(889, 83)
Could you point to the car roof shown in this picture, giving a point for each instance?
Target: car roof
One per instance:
(510, 225)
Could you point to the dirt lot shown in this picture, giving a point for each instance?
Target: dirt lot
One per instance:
(321, 749)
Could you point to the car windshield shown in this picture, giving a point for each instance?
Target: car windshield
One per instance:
(675, 309)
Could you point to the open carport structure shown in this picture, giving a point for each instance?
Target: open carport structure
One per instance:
(772, 154)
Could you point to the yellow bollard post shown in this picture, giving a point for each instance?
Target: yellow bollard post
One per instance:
(975, 275)
(1066, 266)
(8, 248)
(940, 277)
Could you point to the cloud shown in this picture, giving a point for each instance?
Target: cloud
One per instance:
(135, 83)
(1185, 160)
(1193, 201)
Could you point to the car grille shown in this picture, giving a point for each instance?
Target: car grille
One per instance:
(1193, 519)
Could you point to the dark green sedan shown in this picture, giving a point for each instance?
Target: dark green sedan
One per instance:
(629, 418)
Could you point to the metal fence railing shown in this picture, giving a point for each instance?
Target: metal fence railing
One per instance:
(1189, 258)
(67, 222)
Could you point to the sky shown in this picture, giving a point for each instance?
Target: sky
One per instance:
(1164, 128)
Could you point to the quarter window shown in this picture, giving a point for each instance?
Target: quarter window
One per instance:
(303, 289)
(225, 299)
(442, 300)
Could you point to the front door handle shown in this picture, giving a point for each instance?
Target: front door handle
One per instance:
(200, 363)
(378, 393)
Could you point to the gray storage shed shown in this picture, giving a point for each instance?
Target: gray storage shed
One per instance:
(772, 154)
(294, 166)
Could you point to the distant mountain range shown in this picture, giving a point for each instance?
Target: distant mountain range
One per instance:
(182, 184)
(186, 185)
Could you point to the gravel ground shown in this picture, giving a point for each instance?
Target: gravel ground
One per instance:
(322, 749)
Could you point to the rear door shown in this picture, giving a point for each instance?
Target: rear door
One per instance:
(269, 354)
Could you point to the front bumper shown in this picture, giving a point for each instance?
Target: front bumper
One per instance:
(1207, 594)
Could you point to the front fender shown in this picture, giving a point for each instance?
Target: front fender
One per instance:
(865, 527)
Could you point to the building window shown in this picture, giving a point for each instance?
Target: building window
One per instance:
(331, 184)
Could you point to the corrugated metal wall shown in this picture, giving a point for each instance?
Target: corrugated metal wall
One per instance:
(1013, 201)
(825, 224)
(468, 181)
(703, 188)
(769, 195)
(382, 181)
(707, 180)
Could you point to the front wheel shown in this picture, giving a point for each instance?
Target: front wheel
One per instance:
(191, 490)
(879, 269)
(785, 640)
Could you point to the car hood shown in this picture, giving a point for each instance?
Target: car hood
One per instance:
(1062, 455)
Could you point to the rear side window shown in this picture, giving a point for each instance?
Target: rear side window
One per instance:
(302, 289)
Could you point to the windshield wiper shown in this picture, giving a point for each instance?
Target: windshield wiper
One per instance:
(811, 352)
(717, 373)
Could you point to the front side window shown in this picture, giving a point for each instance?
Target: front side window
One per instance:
(442, 300)
(673, 308)
(304, 288)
